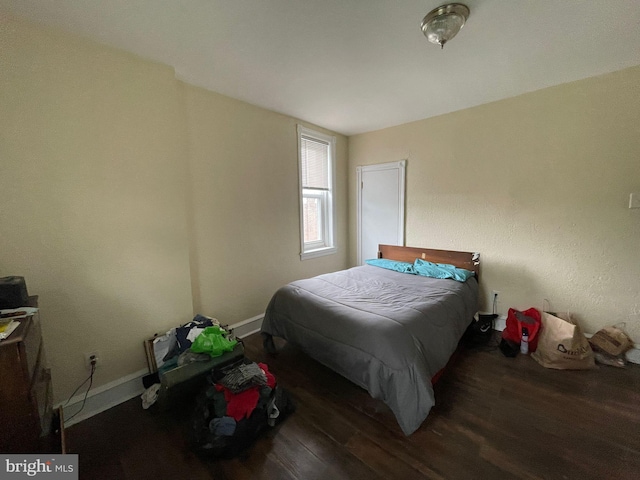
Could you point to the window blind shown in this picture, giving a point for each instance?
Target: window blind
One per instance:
(315, 164)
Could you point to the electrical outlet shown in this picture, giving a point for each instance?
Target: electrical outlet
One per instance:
(494, 296)
(92, 356)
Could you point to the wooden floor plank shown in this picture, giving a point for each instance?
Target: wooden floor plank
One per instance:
(495, 417)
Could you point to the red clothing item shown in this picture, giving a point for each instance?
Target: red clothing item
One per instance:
(271, 380)
(240, 405)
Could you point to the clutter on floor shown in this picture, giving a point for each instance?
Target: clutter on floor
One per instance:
(555, 340)
(610, 345)
(180, 360)
(239, 404)
(234, 399)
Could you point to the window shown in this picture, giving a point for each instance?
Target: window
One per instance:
(316, 154)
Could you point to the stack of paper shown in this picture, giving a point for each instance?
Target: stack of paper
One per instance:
(9, 316)
(7, 326)
(15, 313)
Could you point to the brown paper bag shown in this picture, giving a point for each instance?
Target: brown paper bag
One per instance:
(611, 340)
(562, 345)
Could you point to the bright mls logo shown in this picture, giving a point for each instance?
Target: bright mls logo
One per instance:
(53, 467)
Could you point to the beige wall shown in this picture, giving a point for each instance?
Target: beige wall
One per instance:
(93, 197)
(244, 198)
(538, 184)
(110, 222)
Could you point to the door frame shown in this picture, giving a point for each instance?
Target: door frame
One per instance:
(401, 166)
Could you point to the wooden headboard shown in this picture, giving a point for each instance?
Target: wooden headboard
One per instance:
(466, 260)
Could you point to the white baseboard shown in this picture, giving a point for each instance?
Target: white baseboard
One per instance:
(118, 391)
(103, 397)
(247, 327)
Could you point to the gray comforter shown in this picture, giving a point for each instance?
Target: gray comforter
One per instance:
(388, 332)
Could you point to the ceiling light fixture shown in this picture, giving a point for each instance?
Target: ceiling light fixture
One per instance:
(443, 23)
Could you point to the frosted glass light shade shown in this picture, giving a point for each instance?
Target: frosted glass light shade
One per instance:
(443, 23)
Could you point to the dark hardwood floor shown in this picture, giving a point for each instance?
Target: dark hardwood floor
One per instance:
(495, 418)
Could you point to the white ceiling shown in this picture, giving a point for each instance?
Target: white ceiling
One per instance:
(354, 66)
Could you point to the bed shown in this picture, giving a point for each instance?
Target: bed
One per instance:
(389, 332)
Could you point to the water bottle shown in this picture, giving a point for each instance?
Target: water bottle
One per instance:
(524, 343)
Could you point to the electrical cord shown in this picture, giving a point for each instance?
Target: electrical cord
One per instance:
(494, 315)
(88, 379)
(495, 300)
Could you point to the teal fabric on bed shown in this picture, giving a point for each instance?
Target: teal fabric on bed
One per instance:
(441, 270)
(402, 267)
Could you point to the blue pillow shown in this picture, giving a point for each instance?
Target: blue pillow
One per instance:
(441, 270)
(402, 267)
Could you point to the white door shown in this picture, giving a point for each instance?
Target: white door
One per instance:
(380, 207)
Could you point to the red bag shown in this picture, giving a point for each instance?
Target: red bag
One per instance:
(516, 320)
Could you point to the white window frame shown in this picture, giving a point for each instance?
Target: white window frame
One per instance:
(327, 245)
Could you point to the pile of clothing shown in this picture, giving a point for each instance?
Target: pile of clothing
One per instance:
(199, 340)
(237, 395)
(239, 403)
(174, 348)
